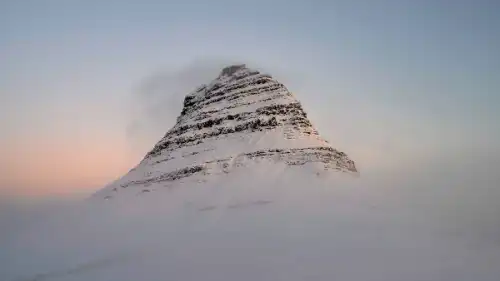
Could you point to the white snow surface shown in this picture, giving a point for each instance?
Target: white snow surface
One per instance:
(272, 222)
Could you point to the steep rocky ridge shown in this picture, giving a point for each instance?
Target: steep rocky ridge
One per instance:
(241, 118)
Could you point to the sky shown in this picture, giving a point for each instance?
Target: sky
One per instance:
(405, 88)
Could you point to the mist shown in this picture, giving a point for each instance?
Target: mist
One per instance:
(438, 223)
(157, 99)
(431, 217)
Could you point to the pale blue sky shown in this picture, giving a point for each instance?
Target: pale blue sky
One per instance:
(395, 84)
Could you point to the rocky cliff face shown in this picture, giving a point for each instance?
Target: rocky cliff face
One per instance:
(241, 118)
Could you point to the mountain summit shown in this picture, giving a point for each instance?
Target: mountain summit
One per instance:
(241, 119)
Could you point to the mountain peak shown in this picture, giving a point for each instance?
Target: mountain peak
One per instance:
(231, 69)
(240, 119)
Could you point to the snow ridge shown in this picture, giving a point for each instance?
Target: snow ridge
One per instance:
(241, 118)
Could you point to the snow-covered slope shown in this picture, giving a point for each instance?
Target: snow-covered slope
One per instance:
(240, 119)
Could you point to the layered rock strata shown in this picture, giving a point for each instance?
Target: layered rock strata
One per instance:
(240, 118)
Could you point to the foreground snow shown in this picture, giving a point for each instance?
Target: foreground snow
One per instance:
(273, 223)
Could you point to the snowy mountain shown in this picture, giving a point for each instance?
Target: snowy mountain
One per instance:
(240, 119)
(243, 188)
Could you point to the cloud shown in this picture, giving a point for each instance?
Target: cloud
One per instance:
(157, 100)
